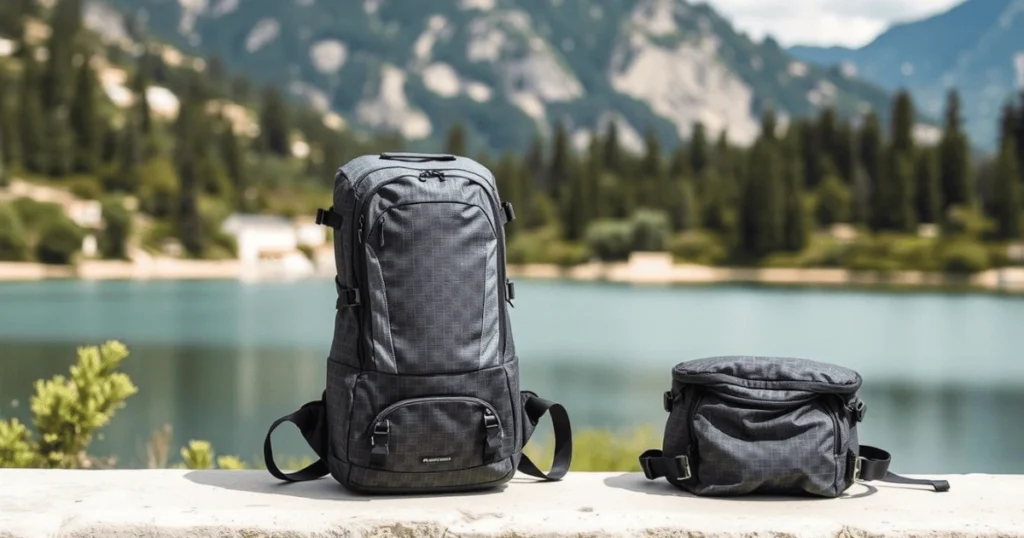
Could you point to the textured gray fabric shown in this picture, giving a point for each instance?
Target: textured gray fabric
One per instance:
(429, 348)
(744, 439)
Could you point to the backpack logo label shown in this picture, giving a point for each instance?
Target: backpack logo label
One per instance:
(437, 459)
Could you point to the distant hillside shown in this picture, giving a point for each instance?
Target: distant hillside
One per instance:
(977, 46)
(507, 68)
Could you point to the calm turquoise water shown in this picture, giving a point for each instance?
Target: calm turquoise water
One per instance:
(944, 374)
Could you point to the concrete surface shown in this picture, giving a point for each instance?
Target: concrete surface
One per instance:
(248, 504)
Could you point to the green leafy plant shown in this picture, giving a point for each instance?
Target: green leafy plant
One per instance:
(67, 412)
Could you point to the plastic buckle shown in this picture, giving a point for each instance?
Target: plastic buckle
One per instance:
(382, 429)
(490, 421)
(510, 214)
(511, 288)
(683, 467)
(321, 214)
(856, 470)
(860, 409)
(666, 401)
(348, 297)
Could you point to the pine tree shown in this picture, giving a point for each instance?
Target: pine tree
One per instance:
(190, 144)
(834, 201)
(274, 123)
(685, 211)
(797, 230)
(558, 173)
(954, 164)
(928, 189)
(455, 144)
(613, 160)
(31, 118)
(871, 160)
(699, 158)
(763, 207)
(58, 76)
(903, 123)
(139, 87)
(8, 126)
(231, 154)
(1006, 199)
(901, 205)
(1019, 134)
(60, 144)
(814, 159)
(844, 154)
(85, 120)
(680, 165)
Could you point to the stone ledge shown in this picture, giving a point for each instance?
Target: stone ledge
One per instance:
(173, 503)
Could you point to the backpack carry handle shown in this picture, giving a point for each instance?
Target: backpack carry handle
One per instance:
(417, 157)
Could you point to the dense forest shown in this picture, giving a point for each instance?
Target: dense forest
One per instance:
(783, 201)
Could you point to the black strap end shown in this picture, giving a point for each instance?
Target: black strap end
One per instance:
(327, 217)
(510, 213)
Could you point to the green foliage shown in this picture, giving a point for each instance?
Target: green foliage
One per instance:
(833, 201)
(954, 170)
(117, 229)
(85, 187)
(1007, 204)
(610, 240)
(599, 450)
(963, 256)
(13, 243)
(698, 246)
(67, 412)
(545, 245)
(159, 187)
(58, 242)
(198, 455)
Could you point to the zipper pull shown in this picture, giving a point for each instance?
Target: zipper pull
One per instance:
(440, 174)
(383, 222)
(359, 232)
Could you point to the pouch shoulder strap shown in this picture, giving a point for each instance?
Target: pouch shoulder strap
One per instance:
(873, 464)
(534, 407)
(311, 421)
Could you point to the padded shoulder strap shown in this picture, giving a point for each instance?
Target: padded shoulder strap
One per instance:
(534, 407)
(311, 421)
(873, 464)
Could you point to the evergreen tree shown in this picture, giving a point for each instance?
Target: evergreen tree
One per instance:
(833, 201)
(455, 143)
(85, 120)
(814, 159)
(763, 207)
(954, 164)
(680, 165)
(613, 160)
(844, 154)
(900, 207)
(8, 126)
(1018, 134)
(652, 174)
(274, 123)
(190, 133)
(903, 123)
(558, 173)
(1006, 199)
(217, 74)
(699, 158)
(60, 144)
(929, 191)
(828, 131)
(871, 160)
(685, 210)
(797, 229)
(31, 118)
(139, 87)
(231, 154)
(58, 76)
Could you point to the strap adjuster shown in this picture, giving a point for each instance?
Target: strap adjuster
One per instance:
(490, 421)
(381, 429)
(327, 217)
(510, 214)
(856, 469)
(348, 297)
(666, 401)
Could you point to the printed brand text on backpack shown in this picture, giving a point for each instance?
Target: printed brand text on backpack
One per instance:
(422, 378)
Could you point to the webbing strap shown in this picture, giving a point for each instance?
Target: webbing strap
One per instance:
(873, 464)
(327, 217)
(535, 408)
(310, 419)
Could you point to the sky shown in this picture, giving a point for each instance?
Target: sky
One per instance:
(851, 23)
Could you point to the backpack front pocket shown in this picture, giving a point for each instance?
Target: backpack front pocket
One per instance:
(440, 433)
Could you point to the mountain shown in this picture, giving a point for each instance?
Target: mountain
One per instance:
(505, 68)
(977, 46)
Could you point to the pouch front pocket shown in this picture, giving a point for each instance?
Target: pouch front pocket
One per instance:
(439, 433)
(779, 442)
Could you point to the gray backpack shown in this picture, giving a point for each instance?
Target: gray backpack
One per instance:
(423, 377)
(770, 425)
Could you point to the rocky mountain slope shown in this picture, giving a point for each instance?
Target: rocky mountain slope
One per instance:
(507, 69)
(977, 46)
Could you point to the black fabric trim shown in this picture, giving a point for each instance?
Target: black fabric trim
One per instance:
(655, 465)
(534, 408)
(311, 421)
(327, 217)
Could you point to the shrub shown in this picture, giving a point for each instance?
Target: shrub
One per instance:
(67, 412)
(963, 257)
(85, 187)
(13, 244)
(116, 230)
(650, 231)
(36, 215)
(698, 246)
(833, 201)
(158, 187)
(59, 241)
(600, 450)
(610, 240)
(545, 246)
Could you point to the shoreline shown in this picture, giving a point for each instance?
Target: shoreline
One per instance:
(641, 269)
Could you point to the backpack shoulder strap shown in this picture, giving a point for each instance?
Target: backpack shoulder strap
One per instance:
(873, 464)
(535, 407)
(310, 419)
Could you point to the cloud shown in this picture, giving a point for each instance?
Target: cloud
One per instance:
(824, 22)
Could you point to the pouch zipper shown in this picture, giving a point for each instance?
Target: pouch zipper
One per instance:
(387, 411)
(837, 443)
(691, 410)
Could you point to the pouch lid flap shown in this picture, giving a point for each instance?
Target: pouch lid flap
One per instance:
(780, 373)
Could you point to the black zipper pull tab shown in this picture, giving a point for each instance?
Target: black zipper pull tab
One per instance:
(440, 174)
(383, 222)
(359, 232)
(510, 292)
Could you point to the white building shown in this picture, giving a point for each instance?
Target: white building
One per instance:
(268, 246)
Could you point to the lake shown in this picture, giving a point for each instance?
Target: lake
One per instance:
(220, 360)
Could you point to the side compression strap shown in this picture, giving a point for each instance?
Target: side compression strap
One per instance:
(534, 408)
(310, 418)
(873, 464)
